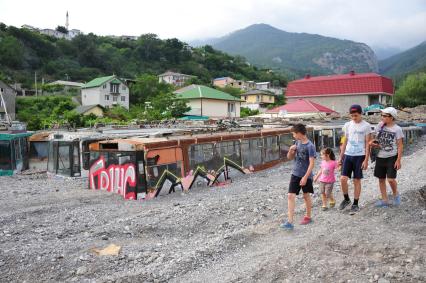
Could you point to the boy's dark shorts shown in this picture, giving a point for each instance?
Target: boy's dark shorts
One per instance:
(295, 187)
(385, 167)
(352, 164)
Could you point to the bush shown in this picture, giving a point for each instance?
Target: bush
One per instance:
(412, 91)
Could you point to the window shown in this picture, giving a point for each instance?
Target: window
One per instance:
(123, 87)
(104, 86)
(114, 88)
(231, 107)
(123, 98)
(5, 160)
(114, 98)
(106, 97)
(257, 98)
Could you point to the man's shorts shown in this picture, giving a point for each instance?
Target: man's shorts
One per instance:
(352, 164)
(295, 187)
(385, 167)
(326, 188)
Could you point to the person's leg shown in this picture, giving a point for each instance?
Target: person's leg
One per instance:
(357, 190)
(323, 194)
(308, 204)
(382, 186)
(330, 196)
(394, 186)
(357, 178)
(324, 199)
(291, 205)
(391, 175)
(344, 185)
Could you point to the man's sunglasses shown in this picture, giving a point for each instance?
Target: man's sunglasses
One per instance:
(387, 116)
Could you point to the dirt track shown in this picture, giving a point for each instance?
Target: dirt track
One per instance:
(221, 234)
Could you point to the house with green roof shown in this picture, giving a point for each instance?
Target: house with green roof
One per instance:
(207, 101)
(106, 92)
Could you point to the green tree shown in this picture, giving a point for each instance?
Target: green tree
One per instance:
(62, 29)
(231, 90)
(11, 52)
(146, 87)
(245, 112)
(165, 106)
(412, 91)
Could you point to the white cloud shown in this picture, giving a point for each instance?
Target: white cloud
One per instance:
(379, 22)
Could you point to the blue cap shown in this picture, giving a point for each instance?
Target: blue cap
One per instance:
(355, 108)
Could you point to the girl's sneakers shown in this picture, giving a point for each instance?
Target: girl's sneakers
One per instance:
(287, 226)
(305, 220)
(332, 203)
(381, 203)
(324, 208)
(397, 200)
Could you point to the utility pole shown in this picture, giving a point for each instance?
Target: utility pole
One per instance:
(35, 82)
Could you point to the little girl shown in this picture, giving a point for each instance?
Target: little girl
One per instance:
(326, 177)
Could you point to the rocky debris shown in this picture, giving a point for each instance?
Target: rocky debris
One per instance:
(217, 234)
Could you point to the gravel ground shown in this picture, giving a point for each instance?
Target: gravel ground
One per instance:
(222, 234)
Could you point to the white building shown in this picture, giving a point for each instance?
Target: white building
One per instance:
(210, 102)
(175, 79)
(263, 85)
(105, 91)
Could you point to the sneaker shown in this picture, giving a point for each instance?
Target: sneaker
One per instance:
(381, 203)
(287, 226)
(305, 220)
(324, 208)
(332, 203)
(354, 209)
(397, 200)
(344, 204)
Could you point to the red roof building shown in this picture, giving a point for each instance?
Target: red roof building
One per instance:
(339, 92)
(301, 106)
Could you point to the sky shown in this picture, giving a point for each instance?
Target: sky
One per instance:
(379, 23)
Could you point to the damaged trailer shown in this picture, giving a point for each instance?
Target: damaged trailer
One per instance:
(143, 168)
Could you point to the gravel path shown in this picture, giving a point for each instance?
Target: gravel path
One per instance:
(221, 234)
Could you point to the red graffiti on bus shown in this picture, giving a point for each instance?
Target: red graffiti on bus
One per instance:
(115, 178)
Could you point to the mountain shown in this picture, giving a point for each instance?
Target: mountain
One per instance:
(266, 46)
(385, 52)
(411, 60)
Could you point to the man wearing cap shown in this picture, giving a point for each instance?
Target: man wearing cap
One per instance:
(389, 141)
(355, 151)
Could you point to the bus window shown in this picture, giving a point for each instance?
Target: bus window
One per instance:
(5, 156)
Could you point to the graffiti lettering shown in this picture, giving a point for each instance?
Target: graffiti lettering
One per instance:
(115, 178)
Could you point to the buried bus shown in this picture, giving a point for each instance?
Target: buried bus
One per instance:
(143, 168)
(13, 152)
(68, 152)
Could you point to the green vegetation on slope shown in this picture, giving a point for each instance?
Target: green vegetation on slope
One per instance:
(410, 61)
(267, 46)
(23, 52)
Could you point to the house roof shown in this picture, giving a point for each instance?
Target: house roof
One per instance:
(302, 106)
(200, 91)
(84, 108)
(66, 83)
(170, 73)
(257, 92)
(351, 83)
(98, 81)
(222, 78)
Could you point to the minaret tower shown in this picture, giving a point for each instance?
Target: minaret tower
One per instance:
(67, 22)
